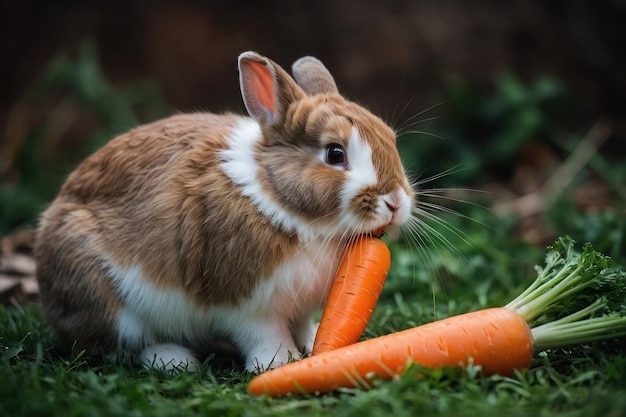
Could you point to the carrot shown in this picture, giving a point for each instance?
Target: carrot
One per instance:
(446, 342)
(353, 294)
(576, 298)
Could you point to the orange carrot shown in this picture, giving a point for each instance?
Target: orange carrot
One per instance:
(576, 298)
(353, 294)
(498, 339)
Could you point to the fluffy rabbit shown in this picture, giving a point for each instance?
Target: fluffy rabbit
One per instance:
(202, 227)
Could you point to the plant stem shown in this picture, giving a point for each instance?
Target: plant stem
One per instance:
(551, 335)
(534, 303)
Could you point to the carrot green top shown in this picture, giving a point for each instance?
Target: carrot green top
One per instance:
(576, 298)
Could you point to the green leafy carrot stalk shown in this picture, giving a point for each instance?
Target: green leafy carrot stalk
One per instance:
(576, 298)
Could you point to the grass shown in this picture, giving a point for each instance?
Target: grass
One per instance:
(581, 381)
(482, 266)
(36, 382)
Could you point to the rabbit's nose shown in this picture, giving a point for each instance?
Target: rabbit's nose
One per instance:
(391, 206)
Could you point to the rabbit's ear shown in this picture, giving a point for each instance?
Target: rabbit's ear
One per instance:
(313, 77)
(266, 88)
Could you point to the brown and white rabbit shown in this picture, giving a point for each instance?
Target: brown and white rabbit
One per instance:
(203, 227)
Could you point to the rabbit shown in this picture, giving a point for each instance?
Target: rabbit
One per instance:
(205, 228)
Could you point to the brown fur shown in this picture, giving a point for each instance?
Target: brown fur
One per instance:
(82, 311)
(157, 201)
(155, 197)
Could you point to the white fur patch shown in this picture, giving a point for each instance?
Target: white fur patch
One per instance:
(150, 312)
(241, 167)
(361, 172)
(170, 357)
(360, 160)
(133, 330)
(280, 308)
(262, 326)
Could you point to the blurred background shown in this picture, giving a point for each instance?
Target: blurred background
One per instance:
(521, 100)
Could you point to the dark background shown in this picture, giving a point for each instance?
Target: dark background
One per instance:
(379, 51)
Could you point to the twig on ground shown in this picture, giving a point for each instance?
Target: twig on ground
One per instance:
(535, 202)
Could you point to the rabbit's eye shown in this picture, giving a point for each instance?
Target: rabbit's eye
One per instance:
(335, 154)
